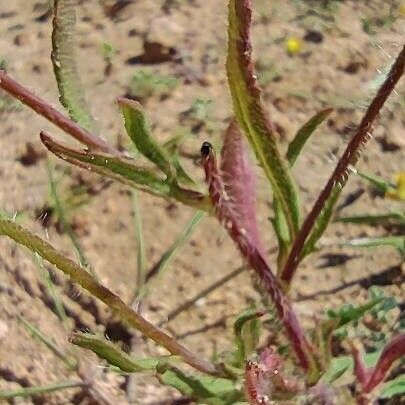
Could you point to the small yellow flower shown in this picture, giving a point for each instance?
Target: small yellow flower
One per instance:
(402, 10)
(293, 45)
(398, 193)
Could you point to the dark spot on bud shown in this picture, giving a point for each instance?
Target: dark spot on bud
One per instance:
(206, 149)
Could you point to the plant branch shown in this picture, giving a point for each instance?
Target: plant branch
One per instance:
(252, 255)
(341, 172)
(32, 391)
(79, 275)
(43, 108)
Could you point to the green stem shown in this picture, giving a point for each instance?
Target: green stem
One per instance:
(30, 391)
(141, 260)
(79, 275)
(60, 212)
(113, 355)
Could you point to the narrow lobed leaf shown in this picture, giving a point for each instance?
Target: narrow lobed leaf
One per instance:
(396, 241)
(70, 362)
(60, 213)
(294, 149)
(250, 113)
(125, 172)
(391, 218)
(140, 241)
(342, 364)
(154, 274)
(349, 313)
(304, 133)
(114, 356)
(172, 149)
(64, 63)
(239, 183)
(321, 223)
(213, 391)
(139, 177)
(139, 132)
(40, 390)
(380, 184)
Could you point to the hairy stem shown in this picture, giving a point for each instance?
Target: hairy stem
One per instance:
(43, 108)
(80, 276)
(255, 260)
(341, 172)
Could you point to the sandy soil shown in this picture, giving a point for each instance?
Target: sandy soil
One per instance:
(336, 67)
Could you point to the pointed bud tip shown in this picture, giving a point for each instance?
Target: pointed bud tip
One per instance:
(127, 102)
(206, 149)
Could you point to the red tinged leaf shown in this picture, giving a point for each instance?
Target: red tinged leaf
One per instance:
(225, 213)
(369, 378)
(250, 112)
(239, 183)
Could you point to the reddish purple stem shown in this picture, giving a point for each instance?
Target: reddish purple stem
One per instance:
(43, 108)
(225, 214)
(369, 378)
(239, 183)
(348, 158)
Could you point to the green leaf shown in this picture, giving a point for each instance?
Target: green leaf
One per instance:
(391, 218)
(321, 223)
(52, 291)
(64, 63)
(280, 227)
(388, 303)
(397, 242)
(394, 387)
(304, 133)
(60, 212)
(247, 330)
(181, 174)
(250, 113)
(127, 173)
(145, 84)
(139, 132)
(349, 313)
(110, 166)
(204, 389)
(342, 364)
(31, 391)
(294, 149)
(115, 356)
(379, 183)
(172, 148)
(70, 362)
(140, 240)
(156, 272)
